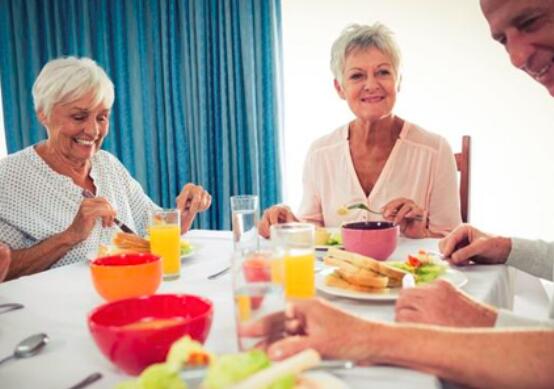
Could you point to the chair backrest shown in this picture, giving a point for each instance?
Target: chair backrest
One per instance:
(463, 163)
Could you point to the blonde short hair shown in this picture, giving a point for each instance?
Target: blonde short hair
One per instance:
(67, 79)
(358, 36)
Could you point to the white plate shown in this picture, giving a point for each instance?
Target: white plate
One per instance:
(325, 380)
(456, 277)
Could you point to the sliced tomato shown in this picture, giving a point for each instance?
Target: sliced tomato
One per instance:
(413, 261)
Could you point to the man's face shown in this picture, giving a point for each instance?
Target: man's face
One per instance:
(526, 30)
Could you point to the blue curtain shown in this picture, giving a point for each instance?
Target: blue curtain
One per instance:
(197, 88)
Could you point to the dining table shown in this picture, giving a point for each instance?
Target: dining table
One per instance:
(58, 301)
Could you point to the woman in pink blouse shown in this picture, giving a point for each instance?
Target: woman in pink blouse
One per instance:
(378, 159)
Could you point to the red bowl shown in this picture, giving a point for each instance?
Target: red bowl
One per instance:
(137, 332)
(122, 276)
(377, 240)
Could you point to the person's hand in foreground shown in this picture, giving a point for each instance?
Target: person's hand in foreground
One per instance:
(441, 303)
(192, 200)
(312, 323)
(467, 243)
(5, 260)
(275, 215)
(411, 218)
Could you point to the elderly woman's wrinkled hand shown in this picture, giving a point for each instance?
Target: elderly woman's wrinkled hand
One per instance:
(90, 210)
(5, 260)
(441, 303)
(313, 323)
(411, 218)
(467, 243)
(275, 215)
(192, 200)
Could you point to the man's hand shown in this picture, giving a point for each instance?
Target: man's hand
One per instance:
(467, 243)
(441, 303)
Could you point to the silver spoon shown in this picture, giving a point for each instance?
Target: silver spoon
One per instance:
(28, 347)
(10, 307)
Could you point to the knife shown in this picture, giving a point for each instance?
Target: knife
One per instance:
(89, 195)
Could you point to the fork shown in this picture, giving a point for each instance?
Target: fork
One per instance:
(366, 208)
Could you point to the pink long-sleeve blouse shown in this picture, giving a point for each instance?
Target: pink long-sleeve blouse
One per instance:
(421, 167)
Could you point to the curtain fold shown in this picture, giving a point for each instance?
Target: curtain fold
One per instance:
(197, 88)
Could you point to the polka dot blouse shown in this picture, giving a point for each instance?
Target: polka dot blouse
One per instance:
(36, 202)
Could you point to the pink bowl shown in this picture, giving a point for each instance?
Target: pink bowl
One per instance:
(134, 347)
(373, 239)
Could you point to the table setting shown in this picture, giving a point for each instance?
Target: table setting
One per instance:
(78, 316)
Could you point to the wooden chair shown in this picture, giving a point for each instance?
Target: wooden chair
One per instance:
(463, 164)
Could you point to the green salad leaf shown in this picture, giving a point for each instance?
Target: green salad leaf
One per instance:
(230, 369)
(156, 376)
(335, 240)
(423, 274)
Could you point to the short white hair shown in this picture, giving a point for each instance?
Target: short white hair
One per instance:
(67, 79)
(363, 37)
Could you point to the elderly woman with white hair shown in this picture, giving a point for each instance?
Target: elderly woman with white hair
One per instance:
(44, 217)
(378, 158)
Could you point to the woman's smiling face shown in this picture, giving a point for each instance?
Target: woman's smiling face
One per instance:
(369, 84)
(76, 129)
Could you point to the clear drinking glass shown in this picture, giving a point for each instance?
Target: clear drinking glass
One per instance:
(256, 289)
(165, 240)
(294, 243)
(244, 220)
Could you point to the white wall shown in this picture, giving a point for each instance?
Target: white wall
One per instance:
(456, 80)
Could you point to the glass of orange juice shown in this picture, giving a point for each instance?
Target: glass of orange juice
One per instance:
(165, 240)
(294, 242)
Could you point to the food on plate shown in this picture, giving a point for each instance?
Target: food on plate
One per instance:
(422, 267)
(247, 370)
(363, 274)
(321, 236)
(324, 237)
(124, 242)
(188, 352)
(336, 281)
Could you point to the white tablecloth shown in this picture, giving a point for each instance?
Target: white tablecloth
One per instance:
(57, 302)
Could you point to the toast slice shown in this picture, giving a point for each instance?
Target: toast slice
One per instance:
(368, 263)
(336, 281)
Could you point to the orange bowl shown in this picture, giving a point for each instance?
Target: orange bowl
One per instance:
(126, 275)
(137, 332)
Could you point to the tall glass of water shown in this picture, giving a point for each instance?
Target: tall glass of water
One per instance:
(244, 220)
(257, 292)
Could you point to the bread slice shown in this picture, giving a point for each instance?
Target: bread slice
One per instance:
(368, 263)
(336, 281)
(363, 278)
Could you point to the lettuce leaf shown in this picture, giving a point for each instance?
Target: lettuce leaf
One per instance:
(230, 369)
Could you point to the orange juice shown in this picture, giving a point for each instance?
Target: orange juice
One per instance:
(299, 274)
(277, 271)
(165, 241)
